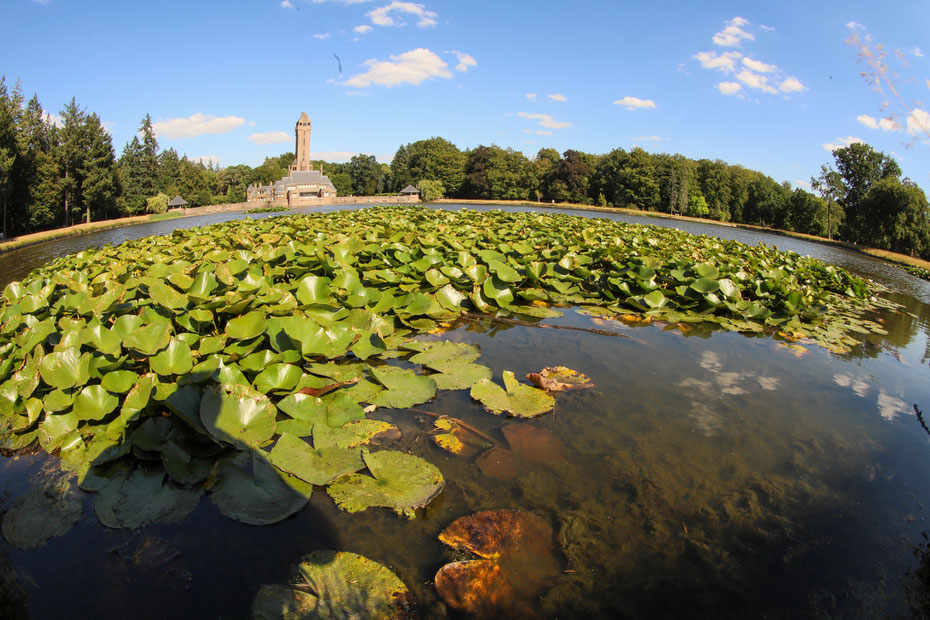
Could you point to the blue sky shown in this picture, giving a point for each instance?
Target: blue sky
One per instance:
(769, 86)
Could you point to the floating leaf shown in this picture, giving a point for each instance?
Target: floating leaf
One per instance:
(65, 369)
(94, 403)
(247, 326)
(355, 433)
(267, 496)
(237, 415)
(45, 511)
(133, 500)
(519, 400)
(278, 377)
(403, 388)
(441, 352)
(518, 561)
(176, 359)
(150, 339)
(318, 466)
(559, 379)
(341, 584)
(401, 482)
(456, 375)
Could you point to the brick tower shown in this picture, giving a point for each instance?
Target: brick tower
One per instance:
(302, 131)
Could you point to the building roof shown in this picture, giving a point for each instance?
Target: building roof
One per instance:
(306, 176)
(177, 201)
(410, 189)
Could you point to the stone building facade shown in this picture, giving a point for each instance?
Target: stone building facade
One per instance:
(303, 186)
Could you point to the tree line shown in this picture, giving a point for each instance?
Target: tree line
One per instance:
(54, 175)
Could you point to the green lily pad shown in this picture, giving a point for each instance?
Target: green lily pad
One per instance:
(278, 377)
(119, 381)
(167, 296)
(318, 466)
(401, 482)
(45, 511)
(150, 339)
(132, 500)
(518, 399)
(94, 403)
(176, 359)
(237, 415)
(403, 388)
(354, 433)
(104, 340)
(247, 326)
(341, 585)
(455, 375)
(442, 352)
(264, 497)
(65, 369)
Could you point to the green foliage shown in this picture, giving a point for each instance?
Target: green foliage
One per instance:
(157, 203)
(431, 190)
(697, 206)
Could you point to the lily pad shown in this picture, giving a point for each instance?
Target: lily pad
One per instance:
(518, 560)
(247, 326)
(45, 511)
(142, 497)
(238, 415)
(403, 387)
(456, 375)
(519, 400)
(318, 466)
(264, 497)
(401, 482)
(560, 379)
(355, 433)
(341, 585)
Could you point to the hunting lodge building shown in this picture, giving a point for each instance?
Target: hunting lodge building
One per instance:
(302, 186)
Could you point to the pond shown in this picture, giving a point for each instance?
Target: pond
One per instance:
(707, 473)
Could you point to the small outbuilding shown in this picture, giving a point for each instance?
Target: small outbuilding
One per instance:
(177, 202)
(410, 190)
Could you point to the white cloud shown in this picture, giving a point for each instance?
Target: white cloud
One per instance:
(758, 66)
(648, 139)
(545, 120)
(195, 125)
(802, 183)
(915, 51)
(410, 67)
(754, 80)
(56, 120)
(465, 60)
(43, 2)
(286, 4)
(631, 103)
(531, 96)
(557, 97)
(271, 137)
(868, 121)
(729, 88)
(321, 35)
(840, 143)
(855, 26)
(733, 33)
(724, 62)
(538, 132)
(792, 85)
(364, 28)
(208, 160)
(382, 16)
(888, 124)
(918, 123)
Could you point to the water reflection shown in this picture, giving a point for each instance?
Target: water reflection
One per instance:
(708, 473)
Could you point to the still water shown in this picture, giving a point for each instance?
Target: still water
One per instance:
(707, 474)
